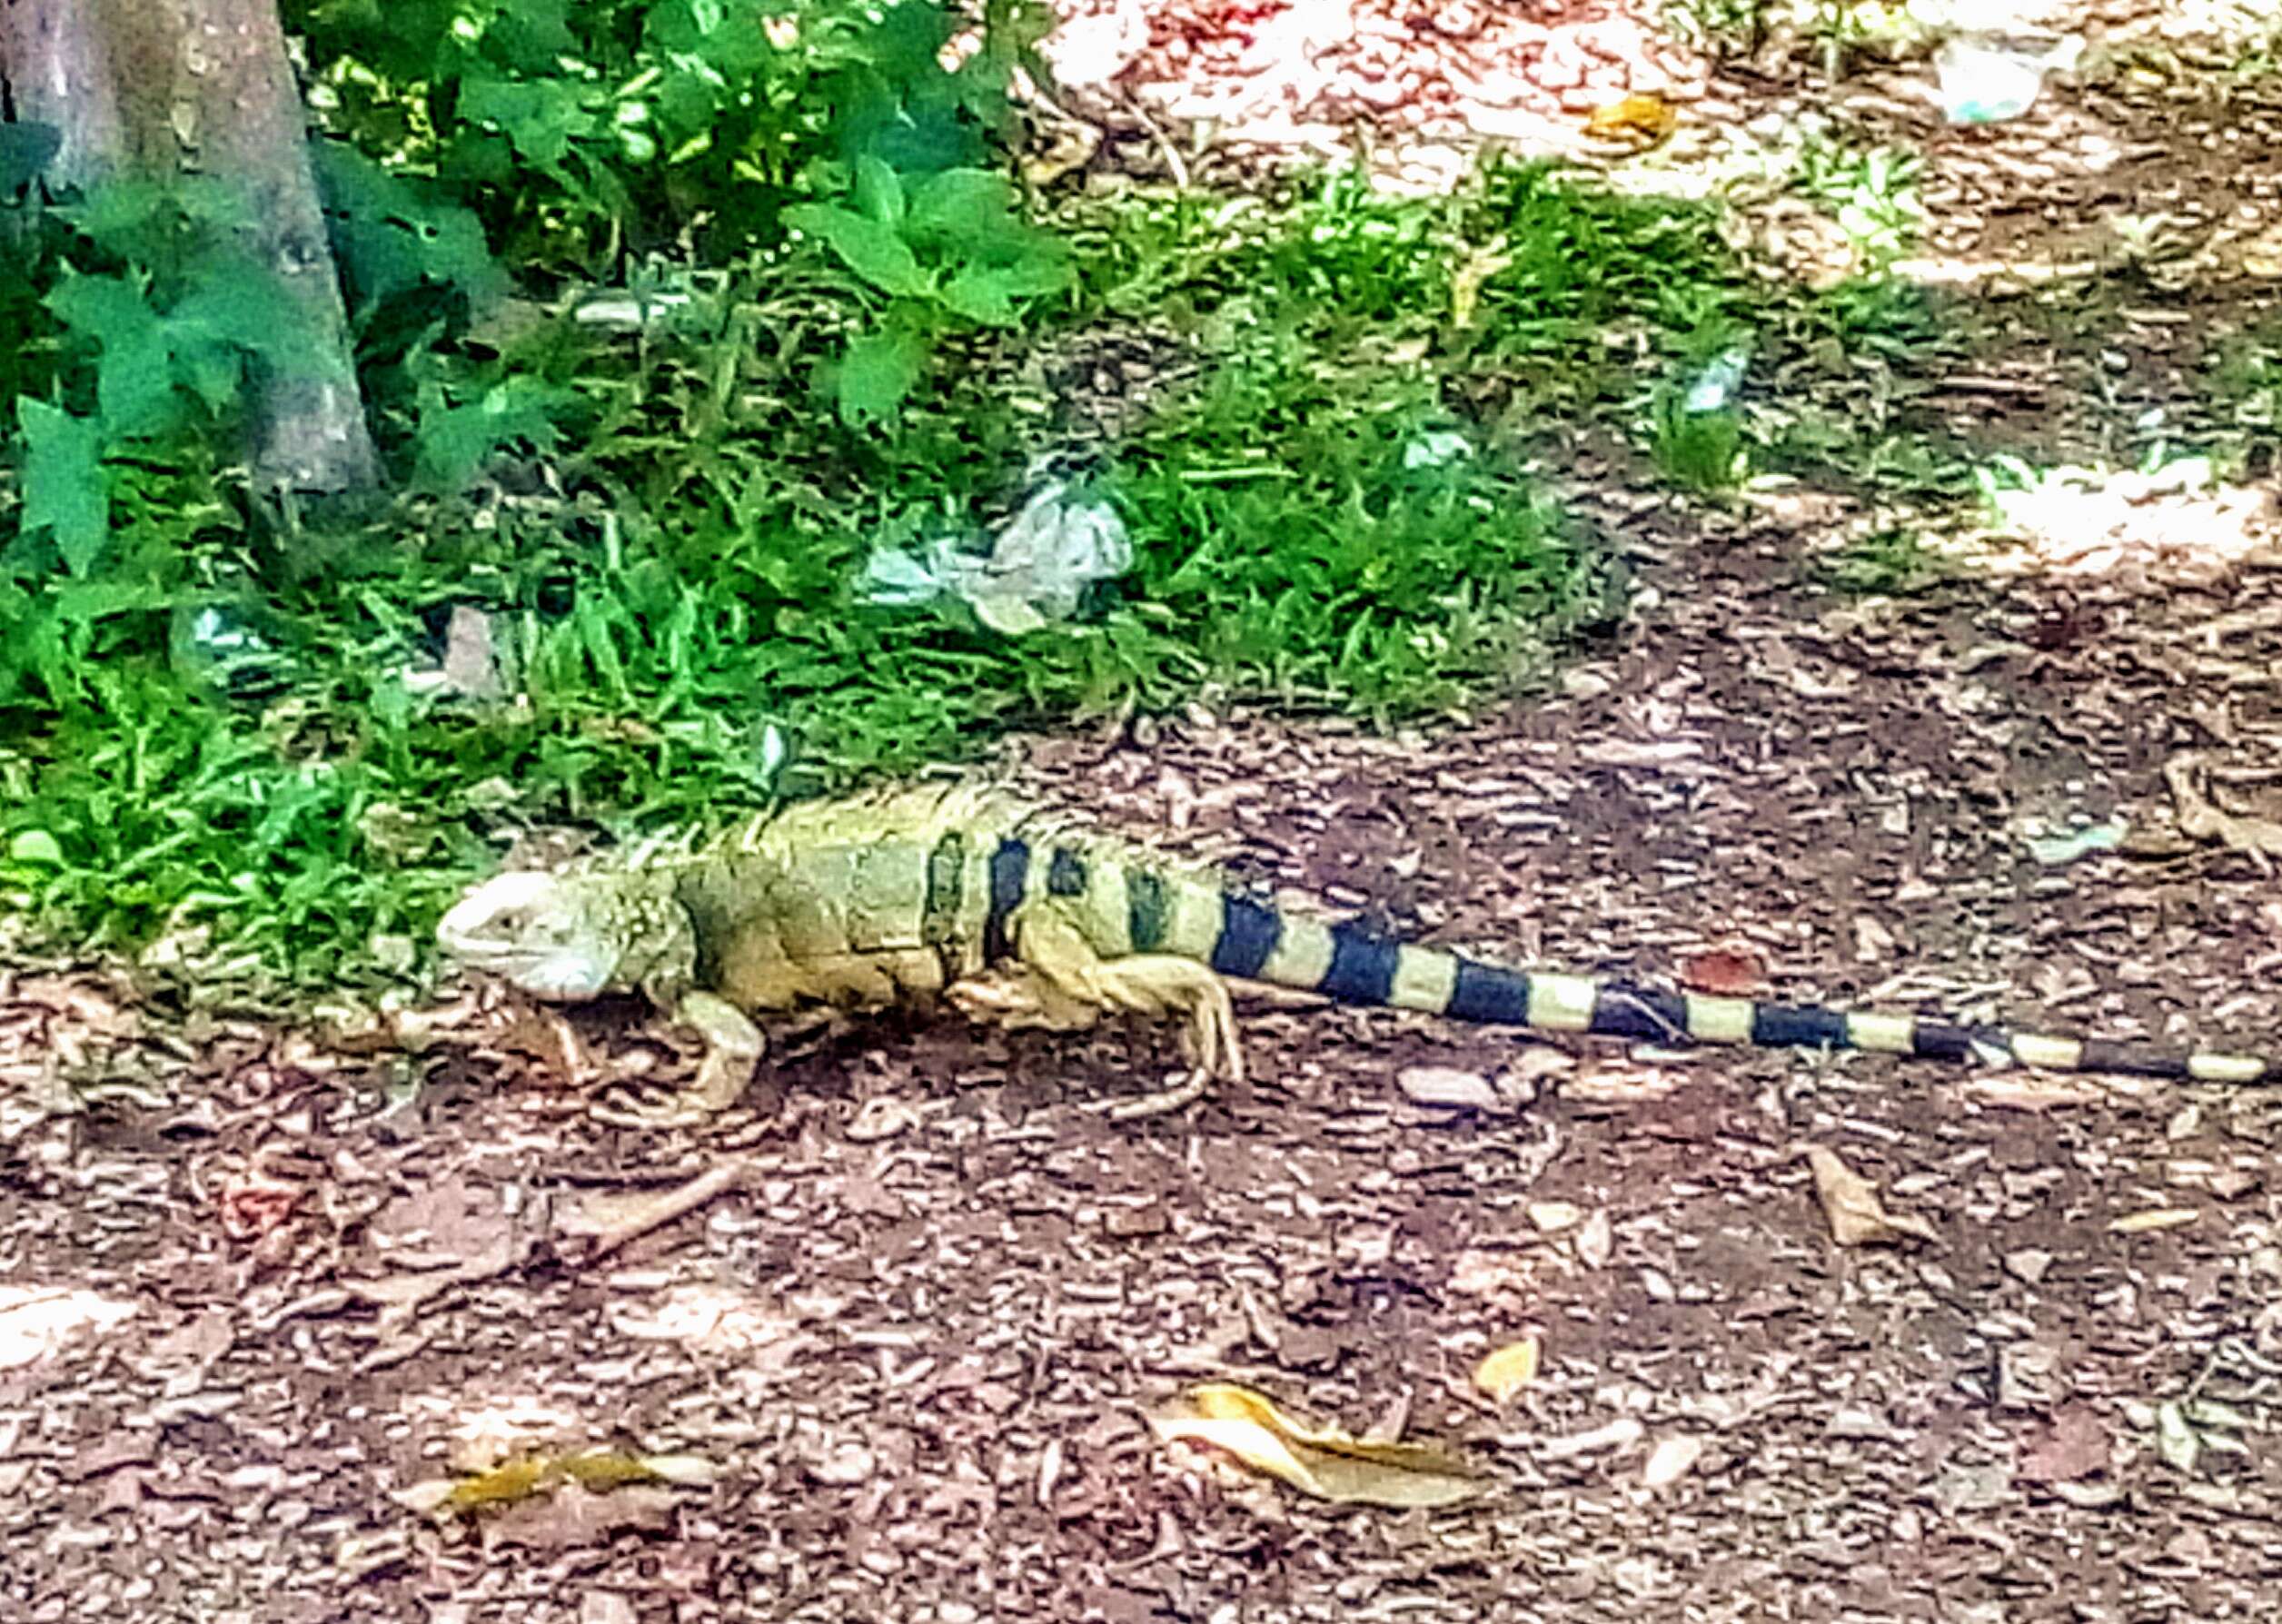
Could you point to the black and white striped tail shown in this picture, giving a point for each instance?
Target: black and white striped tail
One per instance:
(1584, 1004)
(1128, 909)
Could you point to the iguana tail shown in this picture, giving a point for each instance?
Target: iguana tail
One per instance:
(1131, 906)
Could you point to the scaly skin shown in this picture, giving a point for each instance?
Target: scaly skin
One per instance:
(1014, 914)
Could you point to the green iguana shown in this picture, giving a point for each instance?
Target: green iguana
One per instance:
(1018, 915)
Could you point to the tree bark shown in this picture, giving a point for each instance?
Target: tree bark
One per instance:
(57, 66)
(161, 88)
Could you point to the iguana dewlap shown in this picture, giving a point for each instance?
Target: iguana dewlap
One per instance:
(1014, 914)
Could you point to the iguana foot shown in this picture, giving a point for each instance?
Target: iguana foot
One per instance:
(1019, 998)
(1016, 999)
(1063, 984)
(733, 1047)
(1148, 983)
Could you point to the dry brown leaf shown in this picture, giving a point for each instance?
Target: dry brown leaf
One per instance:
(1448, 1086)
(1857, 1218)
(405, 1291)
(1639, 752)
(757, 1333)
(1596, 1239)
(472, 664)
(607, 1607)
(2073, 1445)
(2033, 1092)
(883, 1116)
(1506, 1371)
(2155, 1218)
(574, 1519)
(1872, 940)
(1729, 972)
(39, 1322)
(2259, 838)
(607, 1219)
(1622, 1433)
(452, 1220)
(1320, 1460)
(249, 1208)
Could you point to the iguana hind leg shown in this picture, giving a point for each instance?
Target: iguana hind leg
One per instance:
(1062, 983)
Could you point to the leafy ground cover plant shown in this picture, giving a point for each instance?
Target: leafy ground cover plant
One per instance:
(664, 333)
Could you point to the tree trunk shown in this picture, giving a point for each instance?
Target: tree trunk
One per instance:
(58, 71)
(160, 88)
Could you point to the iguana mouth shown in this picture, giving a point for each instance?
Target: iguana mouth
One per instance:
(491, 929)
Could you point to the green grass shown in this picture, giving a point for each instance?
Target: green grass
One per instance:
(673, 577)
(2241, 377)
(1871, 194)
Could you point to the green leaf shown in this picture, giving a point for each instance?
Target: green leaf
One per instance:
(135, 386)
(1045, 269)
(873, 251)
(542, 117)
(971, 209)
(979, 294)
(456, 441)
(877, 374)
(731, 43)
(66, 488)
(986, 292)
(212, 370)
(393, 238)
(115, 211)
(244, 306)
(25, 149)
(35, 847)
(878, 193)
(211, 201)
(99, 307)
(687, 105)
(907, 40)
(534, 34)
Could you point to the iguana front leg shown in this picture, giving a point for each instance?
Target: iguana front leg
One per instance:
(1061, 982)
(733, 1047)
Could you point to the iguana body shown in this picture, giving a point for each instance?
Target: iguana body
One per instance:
(1016, 915)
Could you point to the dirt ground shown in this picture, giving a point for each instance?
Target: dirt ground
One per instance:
(915, 1327)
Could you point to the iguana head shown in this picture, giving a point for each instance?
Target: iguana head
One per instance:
(572, 936)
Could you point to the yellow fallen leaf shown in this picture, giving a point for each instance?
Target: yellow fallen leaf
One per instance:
(1506, 1371)
(1639, 121)
(1319, 1461)
(1857, 1218)
(596, 1471)
(2155, 1218)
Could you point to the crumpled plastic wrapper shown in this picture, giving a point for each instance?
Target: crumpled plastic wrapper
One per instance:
(1036, 572)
